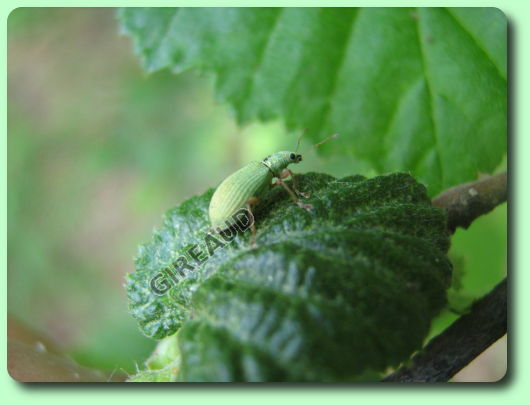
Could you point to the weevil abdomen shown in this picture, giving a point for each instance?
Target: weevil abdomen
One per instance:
(234, 192)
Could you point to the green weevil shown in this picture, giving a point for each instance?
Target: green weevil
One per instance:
(243, 188)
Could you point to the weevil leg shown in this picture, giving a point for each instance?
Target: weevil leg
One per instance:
(286, 173)
(293, 196)
(252, 201)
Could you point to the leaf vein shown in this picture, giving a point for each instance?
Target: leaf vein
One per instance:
(476, 41)
(339, 66)
(423, 57)
(263, 51)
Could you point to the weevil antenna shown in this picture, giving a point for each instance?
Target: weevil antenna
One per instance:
(329, 138)
(300, 138)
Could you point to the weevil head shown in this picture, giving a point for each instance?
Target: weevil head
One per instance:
(280, 160)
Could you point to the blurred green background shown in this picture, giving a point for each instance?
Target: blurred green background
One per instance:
(98, 150)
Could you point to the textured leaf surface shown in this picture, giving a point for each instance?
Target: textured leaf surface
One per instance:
(326, 295)
(419, 90)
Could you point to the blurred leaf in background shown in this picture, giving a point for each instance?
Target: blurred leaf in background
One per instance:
(98, 150)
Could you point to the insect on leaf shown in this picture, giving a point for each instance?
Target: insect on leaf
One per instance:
(346, 289)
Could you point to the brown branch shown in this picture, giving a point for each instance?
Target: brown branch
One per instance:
(461, 342)
(466, 202)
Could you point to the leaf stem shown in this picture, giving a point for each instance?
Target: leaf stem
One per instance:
(466, 202)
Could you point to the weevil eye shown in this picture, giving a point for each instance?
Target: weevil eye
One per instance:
(299, 158)
(292, 156)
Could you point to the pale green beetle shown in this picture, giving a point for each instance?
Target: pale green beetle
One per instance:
(244, 187)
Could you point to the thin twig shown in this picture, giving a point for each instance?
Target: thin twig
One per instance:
(461, 342)
(466, 202)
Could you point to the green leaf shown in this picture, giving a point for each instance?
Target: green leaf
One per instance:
(331, 294)
(418, 90)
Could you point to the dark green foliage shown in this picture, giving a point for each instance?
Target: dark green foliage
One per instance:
(326, 295)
